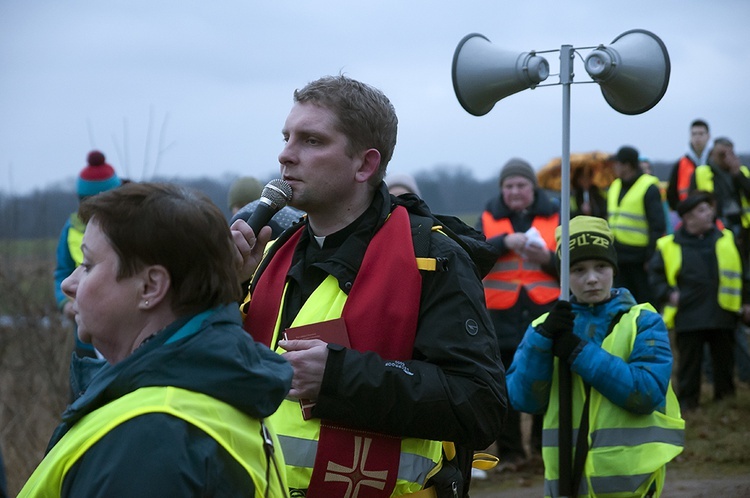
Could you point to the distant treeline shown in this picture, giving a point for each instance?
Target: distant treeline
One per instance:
(447, 189)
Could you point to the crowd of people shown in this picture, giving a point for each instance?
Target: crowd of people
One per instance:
(361, 345)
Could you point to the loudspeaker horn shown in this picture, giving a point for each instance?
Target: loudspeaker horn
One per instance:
(633, 71)
(484, 74)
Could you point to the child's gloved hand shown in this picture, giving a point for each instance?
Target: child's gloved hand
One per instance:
(558, 321)
(559, 327)
(565, 344)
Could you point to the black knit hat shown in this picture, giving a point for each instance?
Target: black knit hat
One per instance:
(517, 167)
(691, 201)
(590, 238)
(627, 155)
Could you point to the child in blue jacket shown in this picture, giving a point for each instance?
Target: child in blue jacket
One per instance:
(623, 407)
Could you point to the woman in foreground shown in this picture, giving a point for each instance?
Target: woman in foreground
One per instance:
(178, 408)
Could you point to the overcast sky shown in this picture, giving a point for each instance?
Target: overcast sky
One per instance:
(196, 88)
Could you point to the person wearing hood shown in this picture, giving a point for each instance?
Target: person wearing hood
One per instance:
(178, 407)
(623, 409)
(678, 186)
(402, 183)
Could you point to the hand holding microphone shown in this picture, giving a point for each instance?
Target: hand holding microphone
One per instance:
(275, 195)
(249, 243)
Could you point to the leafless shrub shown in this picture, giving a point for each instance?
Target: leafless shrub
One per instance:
(35, 349)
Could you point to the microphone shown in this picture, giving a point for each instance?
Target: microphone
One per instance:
(275, 195)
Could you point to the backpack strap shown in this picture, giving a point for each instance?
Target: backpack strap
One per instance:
(472, 241)
(421, 231)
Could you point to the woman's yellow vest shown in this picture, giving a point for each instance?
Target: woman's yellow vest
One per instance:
(627, 452)
(241, 435)
(704, 180)
(627, 218)
(299, 437)
(730, 272)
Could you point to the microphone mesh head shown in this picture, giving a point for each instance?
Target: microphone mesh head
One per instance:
(278, 192)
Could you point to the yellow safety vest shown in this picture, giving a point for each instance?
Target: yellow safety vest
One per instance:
(240, 434)
(627, 218)
(730, 272)
(627, 451)
(75, 238)
(299, 437)
(704, 180)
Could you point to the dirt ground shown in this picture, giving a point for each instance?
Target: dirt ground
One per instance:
(519, 487)
(707, 478)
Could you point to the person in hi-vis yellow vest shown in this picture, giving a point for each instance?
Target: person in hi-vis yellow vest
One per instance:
(697, 274)
(729, 181)
(179, 406)
(97, 176)
(625, 422)
(636, 218)
(379, 312)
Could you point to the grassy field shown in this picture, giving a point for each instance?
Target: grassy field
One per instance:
(35, 348)
(26, 275)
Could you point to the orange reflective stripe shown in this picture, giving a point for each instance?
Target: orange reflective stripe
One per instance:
(503, 283)
(500, 285)
(529, 266)
(506, 265)
(547, 284)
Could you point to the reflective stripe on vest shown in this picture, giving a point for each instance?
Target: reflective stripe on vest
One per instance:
(627, 218)
(510, 273)
(75, 238)
(685, 170)
(300, 454)
(730, 272)
(704, 180)
(299, 437)
(238, 433)
(628, 451)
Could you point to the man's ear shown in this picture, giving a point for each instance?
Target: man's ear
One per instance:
(156, 284)
(369, 165)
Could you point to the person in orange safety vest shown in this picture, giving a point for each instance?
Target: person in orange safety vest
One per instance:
(520, 222)
(682, 171)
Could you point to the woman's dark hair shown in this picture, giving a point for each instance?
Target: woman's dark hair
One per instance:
(175, 227)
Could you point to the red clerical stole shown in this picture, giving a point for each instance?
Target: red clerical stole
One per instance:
(381, 315)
